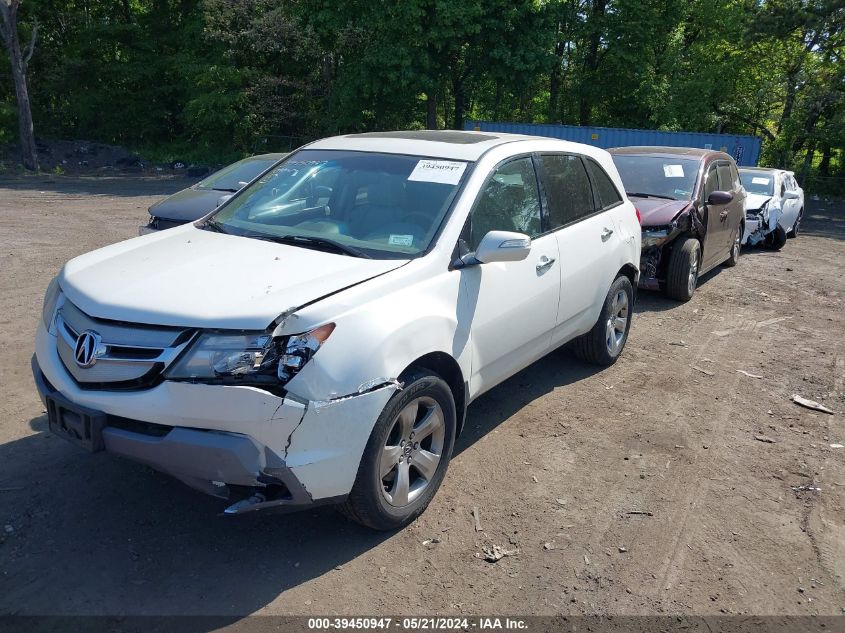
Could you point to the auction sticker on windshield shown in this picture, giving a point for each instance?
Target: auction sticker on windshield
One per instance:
(760, 181)
(673, 171)
(446, 172)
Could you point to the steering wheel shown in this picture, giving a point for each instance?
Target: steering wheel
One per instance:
(425, 225)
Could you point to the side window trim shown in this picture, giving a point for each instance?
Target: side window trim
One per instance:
(709, 170)
(540, 170)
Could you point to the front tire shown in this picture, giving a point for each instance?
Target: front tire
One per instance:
(776, 239)
(604, 343)
(682, 272)
(406, 456)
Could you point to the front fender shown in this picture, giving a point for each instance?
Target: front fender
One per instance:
(375, 342)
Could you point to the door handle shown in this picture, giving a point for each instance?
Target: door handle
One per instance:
(545, 264)
(605, 235)
(723, 214)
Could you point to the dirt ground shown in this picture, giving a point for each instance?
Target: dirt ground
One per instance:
(639, 489)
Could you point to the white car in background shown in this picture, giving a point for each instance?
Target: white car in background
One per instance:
(774, 206)
(284, 357)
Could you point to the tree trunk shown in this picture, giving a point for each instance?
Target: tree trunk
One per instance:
(808, 162)
(460, 103)
(824, 165)
(554, 95)
(9, 30)
(431, 113)
(591, 61)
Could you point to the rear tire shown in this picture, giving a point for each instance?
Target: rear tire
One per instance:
(418, 423)
(776, 239)
(733, 258)
(794, 232)
(604, 343)
(682, 272)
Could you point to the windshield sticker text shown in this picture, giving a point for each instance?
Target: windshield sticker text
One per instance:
(673, 171)
(445, 172)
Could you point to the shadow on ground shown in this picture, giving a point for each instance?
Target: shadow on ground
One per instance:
(113, 537)
(824, 218)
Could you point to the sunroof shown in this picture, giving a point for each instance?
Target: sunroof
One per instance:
(437, 136)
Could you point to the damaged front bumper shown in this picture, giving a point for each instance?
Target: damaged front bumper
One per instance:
(759, 223)
(244, 444)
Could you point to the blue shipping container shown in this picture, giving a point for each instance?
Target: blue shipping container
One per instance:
(744, 148)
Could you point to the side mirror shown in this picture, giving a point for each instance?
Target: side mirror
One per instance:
(720, 197)
(502, 246)
(791, 195)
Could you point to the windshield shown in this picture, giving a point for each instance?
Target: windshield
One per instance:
(381, 205)
(236, 175)
(672, 178)
(759, 182)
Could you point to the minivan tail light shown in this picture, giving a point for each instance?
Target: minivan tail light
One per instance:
(639, 217)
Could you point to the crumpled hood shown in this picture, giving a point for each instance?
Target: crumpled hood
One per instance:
(194, 278)
(754, 201)
(658, 211)
(188, 205)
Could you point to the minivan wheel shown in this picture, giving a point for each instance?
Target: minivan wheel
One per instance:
(406, 456)
(682, 272)
(776, 239)
(604, 343)
(736, 246)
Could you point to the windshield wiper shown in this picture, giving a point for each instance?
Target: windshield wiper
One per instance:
(229, 189)
(312, 242)
(214, 225)
(648, 195)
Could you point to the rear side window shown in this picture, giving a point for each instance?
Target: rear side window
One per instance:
(568, 189)
(725, 176)
(605, 190)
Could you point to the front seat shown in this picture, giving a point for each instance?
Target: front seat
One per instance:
(384, 206)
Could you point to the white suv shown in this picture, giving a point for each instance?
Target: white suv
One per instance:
(280, 354)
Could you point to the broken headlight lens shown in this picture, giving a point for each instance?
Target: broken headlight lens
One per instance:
(655, 237)
(299, 349)
(248, 358)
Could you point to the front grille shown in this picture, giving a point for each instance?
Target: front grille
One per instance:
(130, 356)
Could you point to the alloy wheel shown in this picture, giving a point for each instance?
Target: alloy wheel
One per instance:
(412, 451)
(617, 322)
(692, 280)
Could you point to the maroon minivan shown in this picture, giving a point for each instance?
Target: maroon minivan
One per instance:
(692, 205)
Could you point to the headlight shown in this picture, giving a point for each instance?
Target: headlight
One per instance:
(248, 358)
(300, 348)
(52, 299)
(655, 238)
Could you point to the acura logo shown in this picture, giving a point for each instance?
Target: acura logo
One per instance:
(85, 352)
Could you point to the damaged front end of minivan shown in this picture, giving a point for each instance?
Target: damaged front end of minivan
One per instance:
(657, 241)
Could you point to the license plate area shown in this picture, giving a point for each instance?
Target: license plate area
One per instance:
(78, 425)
